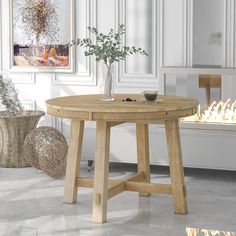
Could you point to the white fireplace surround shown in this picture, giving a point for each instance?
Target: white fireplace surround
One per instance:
(165, 28)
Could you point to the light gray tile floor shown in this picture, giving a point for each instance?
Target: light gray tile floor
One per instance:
(31, 204)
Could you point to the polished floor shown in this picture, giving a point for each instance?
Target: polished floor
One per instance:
(31, 204)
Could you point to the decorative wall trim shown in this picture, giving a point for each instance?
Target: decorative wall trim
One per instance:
(230, 37)
(161, 34)
(25, 78)
(184, 70)
(184, 31)
(226, 27)
(5, 33)
(182, 38)
(21, 78)
(224, 31)
(189, 33)
(159, 22)
(139, 80)
(87, 77)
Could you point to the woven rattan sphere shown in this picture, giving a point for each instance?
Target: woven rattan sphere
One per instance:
(48, 145)
(52, 159)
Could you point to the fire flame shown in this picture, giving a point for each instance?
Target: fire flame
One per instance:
(207, 232)
(221, 112)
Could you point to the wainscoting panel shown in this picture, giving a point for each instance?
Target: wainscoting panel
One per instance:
(141, 20)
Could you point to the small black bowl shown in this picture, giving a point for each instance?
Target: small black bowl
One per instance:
(150, 95)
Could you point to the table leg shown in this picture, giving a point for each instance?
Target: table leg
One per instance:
(101, 172)
(176, 166)
(143, 153)
(73, 161)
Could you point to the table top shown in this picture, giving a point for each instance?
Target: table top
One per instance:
(90, 107)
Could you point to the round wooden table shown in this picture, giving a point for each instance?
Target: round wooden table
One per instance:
(167, 110)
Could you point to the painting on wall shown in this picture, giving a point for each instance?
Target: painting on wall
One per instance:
(41, 31)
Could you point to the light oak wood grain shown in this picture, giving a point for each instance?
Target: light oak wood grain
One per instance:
(143, 154)
(118, 186)
(108, 114)
(73, 161)
(90, 107)
(101, 172)
(176, 166)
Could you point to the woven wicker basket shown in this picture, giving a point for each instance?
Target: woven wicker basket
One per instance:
(45, 148)
(13, 131)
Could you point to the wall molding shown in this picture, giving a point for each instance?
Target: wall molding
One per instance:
(224, 34)
(139, 80)
(161, 34)
(228, 29)
(228, 22)
(89, 76)
(228, 10)
(20, 78)
(25, 78)
(184, 32)
(230, 37)
(191, 70)
(189, 33)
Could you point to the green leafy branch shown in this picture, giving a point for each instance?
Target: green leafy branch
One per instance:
(108, 46)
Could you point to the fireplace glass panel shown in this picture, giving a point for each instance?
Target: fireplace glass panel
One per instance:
(215, 93)
(205, 88)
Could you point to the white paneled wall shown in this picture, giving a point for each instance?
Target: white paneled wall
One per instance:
(141, 22)
(207, 38)
(173, 29)
(165, 29)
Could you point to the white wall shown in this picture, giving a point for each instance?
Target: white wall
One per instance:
(164, 28)
(173, 42)
(105, 14)
(207, 32)
(137, 74)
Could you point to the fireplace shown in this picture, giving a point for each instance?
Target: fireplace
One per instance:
(208, 138)
(215, 93)
(218, 112)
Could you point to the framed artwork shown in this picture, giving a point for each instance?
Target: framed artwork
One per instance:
(40, 33)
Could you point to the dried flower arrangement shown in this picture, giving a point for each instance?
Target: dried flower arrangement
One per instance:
(39, 18)
(15, 124)
(9, 100)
